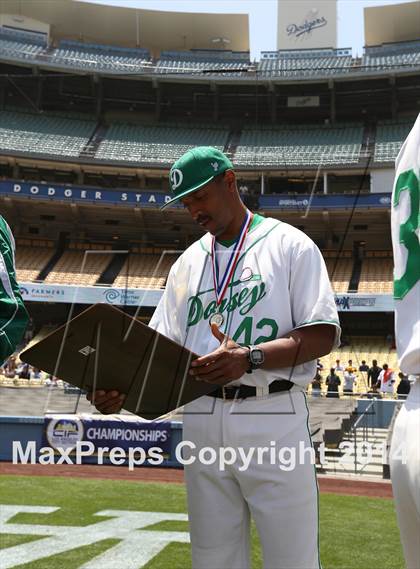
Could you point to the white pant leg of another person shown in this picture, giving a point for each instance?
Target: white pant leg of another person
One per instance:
(406, 477)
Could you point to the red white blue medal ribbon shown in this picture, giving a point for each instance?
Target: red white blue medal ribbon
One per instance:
(221, 288)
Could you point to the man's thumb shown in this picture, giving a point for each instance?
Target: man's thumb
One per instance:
(217, 333)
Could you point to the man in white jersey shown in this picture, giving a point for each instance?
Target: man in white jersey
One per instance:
(405, 447)
(254, 299)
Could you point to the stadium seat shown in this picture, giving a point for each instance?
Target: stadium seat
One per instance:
(389, 139)
(339, 271)
(145, 271)
(309, 145)
(156, 144)
(68, 269)
(198, 61)
(377, 274)
(30, 260)
(50, 134)
(93, 57)
(388, 57)
(305, 63)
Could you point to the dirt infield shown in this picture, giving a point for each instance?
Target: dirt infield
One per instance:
(329, 484)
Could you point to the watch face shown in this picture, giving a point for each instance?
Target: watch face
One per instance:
(257, 356)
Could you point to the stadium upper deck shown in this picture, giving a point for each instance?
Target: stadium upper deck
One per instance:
(61, 136)
(28, 48)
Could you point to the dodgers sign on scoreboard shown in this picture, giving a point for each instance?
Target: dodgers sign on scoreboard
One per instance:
(307, 24)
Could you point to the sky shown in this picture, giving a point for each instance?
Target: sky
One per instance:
(263, 17)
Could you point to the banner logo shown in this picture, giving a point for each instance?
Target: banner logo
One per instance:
(64, 433)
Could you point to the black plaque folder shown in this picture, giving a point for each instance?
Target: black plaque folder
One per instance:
(105, 348)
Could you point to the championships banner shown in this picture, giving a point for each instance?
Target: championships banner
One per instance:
(65, 431)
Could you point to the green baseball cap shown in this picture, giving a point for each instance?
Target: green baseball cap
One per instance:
(196, 168)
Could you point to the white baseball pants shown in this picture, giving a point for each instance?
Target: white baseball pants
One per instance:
(406, 477)
(283, 503)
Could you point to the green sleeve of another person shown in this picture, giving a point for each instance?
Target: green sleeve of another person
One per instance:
(13, 314)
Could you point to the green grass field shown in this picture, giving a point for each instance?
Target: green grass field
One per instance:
(356, 532)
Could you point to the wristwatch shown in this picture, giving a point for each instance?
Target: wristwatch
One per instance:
(255, 358)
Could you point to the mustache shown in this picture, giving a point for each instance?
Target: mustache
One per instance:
(202, 218)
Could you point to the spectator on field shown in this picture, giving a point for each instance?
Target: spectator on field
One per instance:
(386, 380)
(333, 381)
(35, 373)
(349, 380)
(319, 366)
(10, 367)
(363, 366)
(404, 386)
(373, 373)
(316, 385)
(338, 366)
(51, 381)
(23, 371)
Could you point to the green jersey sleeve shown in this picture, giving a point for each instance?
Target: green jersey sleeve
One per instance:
(13, 314)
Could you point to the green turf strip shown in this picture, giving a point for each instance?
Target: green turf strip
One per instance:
(356, 532)
(11, 539)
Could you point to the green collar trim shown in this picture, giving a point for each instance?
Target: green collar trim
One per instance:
(256, 220)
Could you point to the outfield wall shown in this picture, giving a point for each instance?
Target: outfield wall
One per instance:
(27, 429)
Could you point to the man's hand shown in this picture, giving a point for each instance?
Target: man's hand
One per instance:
(106, 402)
(228, 362)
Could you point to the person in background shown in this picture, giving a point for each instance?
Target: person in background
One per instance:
(13, 314)
(349, 379)
(10, 367)
(386, 380)
(316, 385)
(35, 373)
(23, 371)
(404, 385)
(333, 381)
(363, 366)
(373, 373)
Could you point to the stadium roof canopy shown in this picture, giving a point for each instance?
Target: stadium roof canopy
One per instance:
(131, 27)
(395, 23)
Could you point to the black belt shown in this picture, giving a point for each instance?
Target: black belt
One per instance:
(244, 391)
